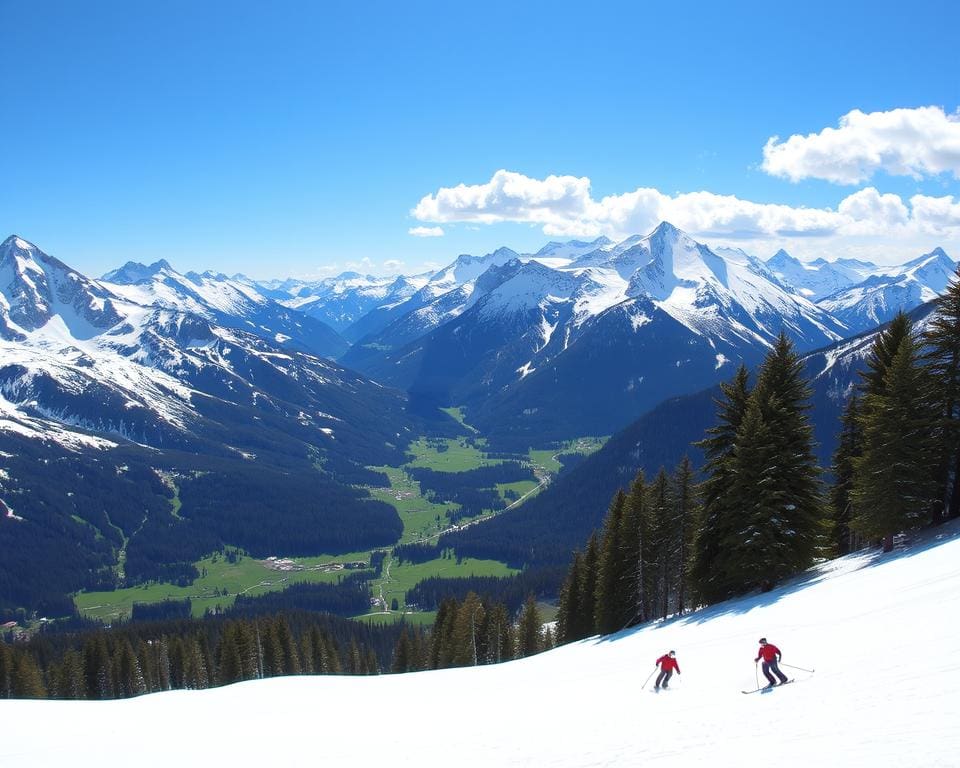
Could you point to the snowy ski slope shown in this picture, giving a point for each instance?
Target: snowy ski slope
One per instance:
(881, 632)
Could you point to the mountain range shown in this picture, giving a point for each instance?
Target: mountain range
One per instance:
(150, 388)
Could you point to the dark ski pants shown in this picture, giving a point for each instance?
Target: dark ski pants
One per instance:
(663, 678)
(771, 666)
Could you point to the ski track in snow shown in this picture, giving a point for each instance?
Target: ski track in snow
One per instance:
(874, 627)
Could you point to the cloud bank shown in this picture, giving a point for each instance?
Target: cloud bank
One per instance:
(902, 142)
(565, 207)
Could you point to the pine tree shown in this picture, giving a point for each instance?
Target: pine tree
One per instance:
(529, 630)
(97, 668)
(291, 659)
(783, 395)
(636, 553)
(26, 682)
(662, 543)
(612, 610)
(498, 635)
(893, 486)
(306, 652)
(845, 540)
(70, 682)
(685, 513)
(881, 355)
(441, 653)
(401, 652)
(756, 550)
(229, 658)
(942, 339)
(6, 670)
(586, 622)
(569, 602)
(148, 664)
(466, 628)
(128, 678)
(716, 516)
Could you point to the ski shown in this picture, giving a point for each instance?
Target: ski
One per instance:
(767, 687)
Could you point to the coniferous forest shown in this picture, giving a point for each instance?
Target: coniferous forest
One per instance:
(762, 511)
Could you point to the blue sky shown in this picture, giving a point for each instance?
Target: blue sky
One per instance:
(297, 138)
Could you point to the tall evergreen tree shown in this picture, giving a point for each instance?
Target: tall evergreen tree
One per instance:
(6, 670)
(529, 630)
(844, 540)
(498, 635)
(662, 543)
(97, 668)
(586, 623)
(893, 485)
(466, 631)
(783, 395)
(569, 604)
(716, 516)
(27, 682)
(636, 545)
(881, 355)
(757, 548)
(612, 610)
(942, 339)
(685, 514)
(441, 644)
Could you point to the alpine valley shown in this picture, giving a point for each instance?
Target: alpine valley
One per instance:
(189, 414)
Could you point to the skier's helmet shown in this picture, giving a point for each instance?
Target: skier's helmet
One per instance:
(763, 641)
(673, 653)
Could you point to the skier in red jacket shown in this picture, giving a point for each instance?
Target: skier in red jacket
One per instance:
(667, 664)
(770, 655)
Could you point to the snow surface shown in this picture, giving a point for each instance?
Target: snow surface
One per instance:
(880, 631)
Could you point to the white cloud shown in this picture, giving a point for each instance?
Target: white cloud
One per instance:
(564, 206)
(903, 142)
(426, 231)
(393, 265)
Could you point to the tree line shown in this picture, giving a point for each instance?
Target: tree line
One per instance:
(470, 632)
(134, 659)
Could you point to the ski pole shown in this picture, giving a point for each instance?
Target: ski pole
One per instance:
(756, 672)
(793, 667)
(649, 676)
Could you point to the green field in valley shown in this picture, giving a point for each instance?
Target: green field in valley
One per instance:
(423, 520)
(219, 584)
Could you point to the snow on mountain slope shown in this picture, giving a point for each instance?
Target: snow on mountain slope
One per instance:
(557, 255)
(816, 279)
(344, 300)
(75, 357)
(878, 298)
(35, 287)
(872, 626)
(467, 268)
(225, 301)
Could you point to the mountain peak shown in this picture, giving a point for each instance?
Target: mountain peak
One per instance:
(665, 228)
(135, 272)
(15, 241)
(780, 258)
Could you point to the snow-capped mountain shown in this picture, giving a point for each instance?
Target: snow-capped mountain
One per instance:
(878, 298)
(344, 300)
(548, 352)
(36, 287)
(139, 365)
(555, 254)
(226, 301)
(819, 278)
